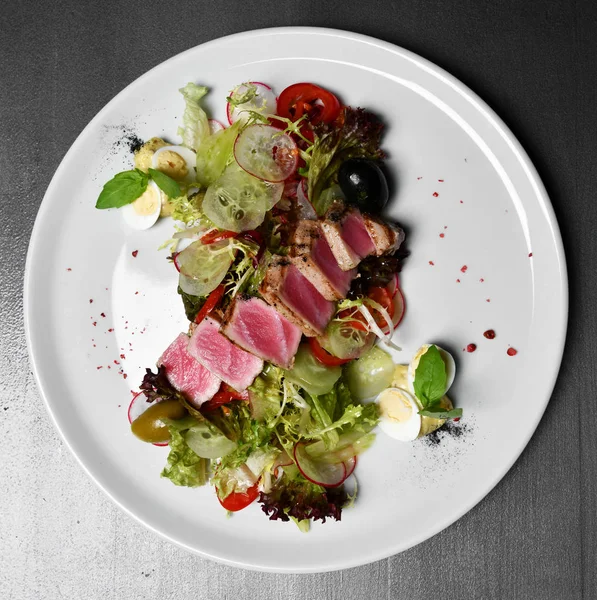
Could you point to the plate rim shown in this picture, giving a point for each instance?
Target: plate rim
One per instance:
(533, 176)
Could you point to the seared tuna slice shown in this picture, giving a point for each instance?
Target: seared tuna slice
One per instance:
(186, 374)
(290, 293)
(311, 255)
(347, 236)
(386, 238)
(261, 330)
(225, 360)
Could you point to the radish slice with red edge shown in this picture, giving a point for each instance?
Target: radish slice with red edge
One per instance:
(137, 407)
(176, 264)
(350, 465)
(263, 102)
(393, 285)
(215, 126)
(320, 473)
(399, 309)
(306, 210)
(265, 153)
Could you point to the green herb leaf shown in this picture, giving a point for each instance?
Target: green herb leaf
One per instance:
(441, 413)
(165, 183)
(430, 377)
(242, 97)
(122, 189)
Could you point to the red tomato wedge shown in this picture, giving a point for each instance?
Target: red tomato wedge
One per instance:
(308, 98)
(225, 395)
(384, 298)
(238, 500)
(324, 357)
(215, 235)
(212, 301)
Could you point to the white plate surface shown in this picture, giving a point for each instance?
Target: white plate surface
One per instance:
(459, 172)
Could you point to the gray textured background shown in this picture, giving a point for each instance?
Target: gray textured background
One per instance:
(535, 535)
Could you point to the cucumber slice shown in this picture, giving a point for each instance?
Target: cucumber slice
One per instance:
(203, 266)
(237, 201)
(344, 341)
(266, 153)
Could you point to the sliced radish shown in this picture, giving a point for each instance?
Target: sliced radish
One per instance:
(320, 473)
(350, 465)
(399, 309)
(283, 460)
(137, 407)
(264, 102)
(306, 210)
(264, 152)
(175, 261)
(215, 126)
(393, 285)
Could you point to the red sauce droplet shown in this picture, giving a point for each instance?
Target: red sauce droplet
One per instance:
(512, 352)
(69, 269)
(488, 300)
(530, 254)
(431, 263)
(94, 323)
(435, 194)
(441, 180)
(442, 235)
(419, 178)
(464, 269)
(103, 315)
(110, 330)
(471, 347)
(489, 334)
(445, 227)
(122, 356)
(481, 280)
(134, 253)
(462, 202)
(458, 281)
(90, 300)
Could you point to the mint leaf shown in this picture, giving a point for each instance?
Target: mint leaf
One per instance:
(430, 377)
(122, 189)
(441, 413)
(165, 183)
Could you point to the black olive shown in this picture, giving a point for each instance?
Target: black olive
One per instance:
(364, 184)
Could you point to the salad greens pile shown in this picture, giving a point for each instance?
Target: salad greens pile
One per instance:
(291, 439)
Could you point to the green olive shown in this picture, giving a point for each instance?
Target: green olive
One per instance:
(149, 427)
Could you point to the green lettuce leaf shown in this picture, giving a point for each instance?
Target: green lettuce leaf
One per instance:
(195, 127)
(215, 153)
(265, 394)
(184, 468)
(359, 136)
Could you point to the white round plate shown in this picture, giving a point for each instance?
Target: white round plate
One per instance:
(486, 254)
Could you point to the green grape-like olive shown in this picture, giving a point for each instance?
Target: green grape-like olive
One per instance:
(149, 426)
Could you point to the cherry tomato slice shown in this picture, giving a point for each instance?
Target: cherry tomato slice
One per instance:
(238, 500)
(300, 98)
(384, 297)
(323, 356)
(212, 301)
(358, 321)
(217, 236)
(225, 395)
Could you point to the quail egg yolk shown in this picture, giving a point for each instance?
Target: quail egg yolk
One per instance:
(172, 164)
